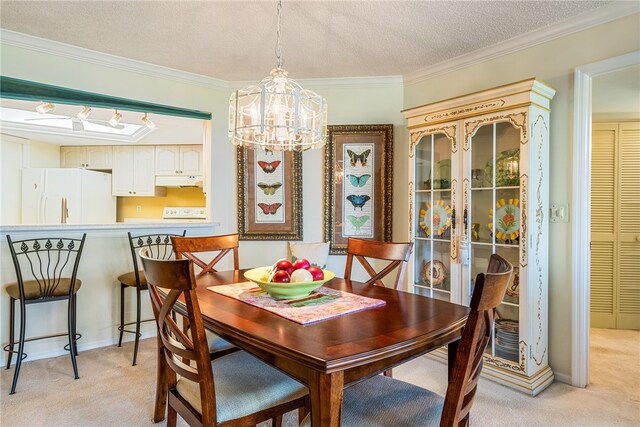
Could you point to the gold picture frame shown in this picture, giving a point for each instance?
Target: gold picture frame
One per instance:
(358, 184)
(269, 187)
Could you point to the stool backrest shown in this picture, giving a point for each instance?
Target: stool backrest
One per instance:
(47, 260)
(158, 246)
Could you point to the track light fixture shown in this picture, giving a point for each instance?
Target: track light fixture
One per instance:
(45, 107)
(113, 121)
(84, 114)
(147, 121)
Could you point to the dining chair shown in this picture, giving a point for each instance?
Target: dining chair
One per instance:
(46, 271)
(222, 245)
(383, 401)
(233, 390)
(361, 249)
(159, 246)
(396, 253)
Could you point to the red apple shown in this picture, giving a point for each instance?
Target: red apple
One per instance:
(316, 272)
(301, 263)
(281, 276)
(285, 265)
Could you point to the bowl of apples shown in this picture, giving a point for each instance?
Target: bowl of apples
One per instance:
(288, 280)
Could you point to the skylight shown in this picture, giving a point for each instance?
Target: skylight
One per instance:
(56, 124)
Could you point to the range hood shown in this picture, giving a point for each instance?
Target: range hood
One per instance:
(179, 181)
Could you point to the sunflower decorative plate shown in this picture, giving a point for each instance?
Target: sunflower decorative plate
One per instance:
(507, 219)
(441, 218)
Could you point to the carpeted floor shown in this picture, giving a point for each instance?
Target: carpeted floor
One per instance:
(111, 392)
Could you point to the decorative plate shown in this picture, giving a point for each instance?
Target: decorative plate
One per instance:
(441, 218)
(513, 289)
(507, 219)
(438, 271)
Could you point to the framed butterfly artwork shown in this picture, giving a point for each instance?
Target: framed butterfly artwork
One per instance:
(358, 182)
(269, 195)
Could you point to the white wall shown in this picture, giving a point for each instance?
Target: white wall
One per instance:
(552, 62)
(107, 253)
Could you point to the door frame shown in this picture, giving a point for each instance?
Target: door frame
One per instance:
(581, 212)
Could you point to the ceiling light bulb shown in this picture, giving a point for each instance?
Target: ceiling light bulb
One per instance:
(113, 121)
(82, 115)
(147, 122)
(45, 107)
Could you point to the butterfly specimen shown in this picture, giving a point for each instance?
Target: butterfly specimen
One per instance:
(269, 189)
(358, 181)
(269, 167)
(269, 209)
(358, 221)
(362, 157)
(358, 201)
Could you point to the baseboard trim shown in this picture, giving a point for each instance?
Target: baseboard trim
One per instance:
(562, 378)
(81, 347)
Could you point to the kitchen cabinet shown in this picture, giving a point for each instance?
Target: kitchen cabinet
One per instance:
(88, 157)
(133, 171)
(479, 184)
(179, 160)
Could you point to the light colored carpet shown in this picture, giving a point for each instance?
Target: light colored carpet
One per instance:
(111, 392)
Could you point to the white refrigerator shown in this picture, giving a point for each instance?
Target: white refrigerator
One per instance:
(67, 196)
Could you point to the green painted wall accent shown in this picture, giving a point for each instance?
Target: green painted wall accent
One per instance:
(33, 91)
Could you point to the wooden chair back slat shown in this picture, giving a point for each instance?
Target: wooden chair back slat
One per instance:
(361, 249)
(463, 383)
(187, 247)
(185, 356)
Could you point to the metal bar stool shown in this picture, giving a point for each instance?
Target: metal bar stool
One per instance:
(159, 246)
(46, 270)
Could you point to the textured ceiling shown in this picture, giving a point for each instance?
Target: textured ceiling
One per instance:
(235, 40)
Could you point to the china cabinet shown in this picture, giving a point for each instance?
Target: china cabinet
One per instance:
(89, 157)
(478, 184)
(179, 160)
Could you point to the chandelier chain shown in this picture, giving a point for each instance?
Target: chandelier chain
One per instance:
(278, 48)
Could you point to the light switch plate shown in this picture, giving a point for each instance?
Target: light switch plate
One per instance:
(559, 212)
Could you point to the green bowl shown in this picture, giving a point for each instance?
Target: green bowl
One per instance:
(285, 290)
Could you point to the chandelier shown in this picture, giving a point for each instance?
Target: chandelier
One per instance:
(277, 114)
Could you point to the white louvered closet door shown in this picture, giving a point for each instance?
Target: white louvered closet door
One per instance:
(615, 226)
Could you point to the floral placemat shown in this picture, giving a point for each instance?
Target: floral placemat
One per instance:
(322, 304)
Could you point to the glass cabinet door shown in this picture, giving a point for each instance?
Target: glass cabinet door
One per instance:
(433, 218)
(492, 218)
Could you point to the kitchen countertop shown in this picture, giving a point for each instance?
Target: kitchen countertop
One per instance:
(4, 229)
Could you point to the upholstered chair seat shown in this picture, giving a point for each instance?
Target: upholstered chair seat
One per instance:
(129, 279)
(33, 289)
(383, 401)
(243, 385)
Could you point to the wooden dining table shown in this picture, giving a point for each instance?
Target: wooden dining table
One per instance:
(332, 354)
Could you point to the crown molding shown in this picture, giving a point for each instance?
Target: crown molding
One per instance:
(602, 15)
(50, 47)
